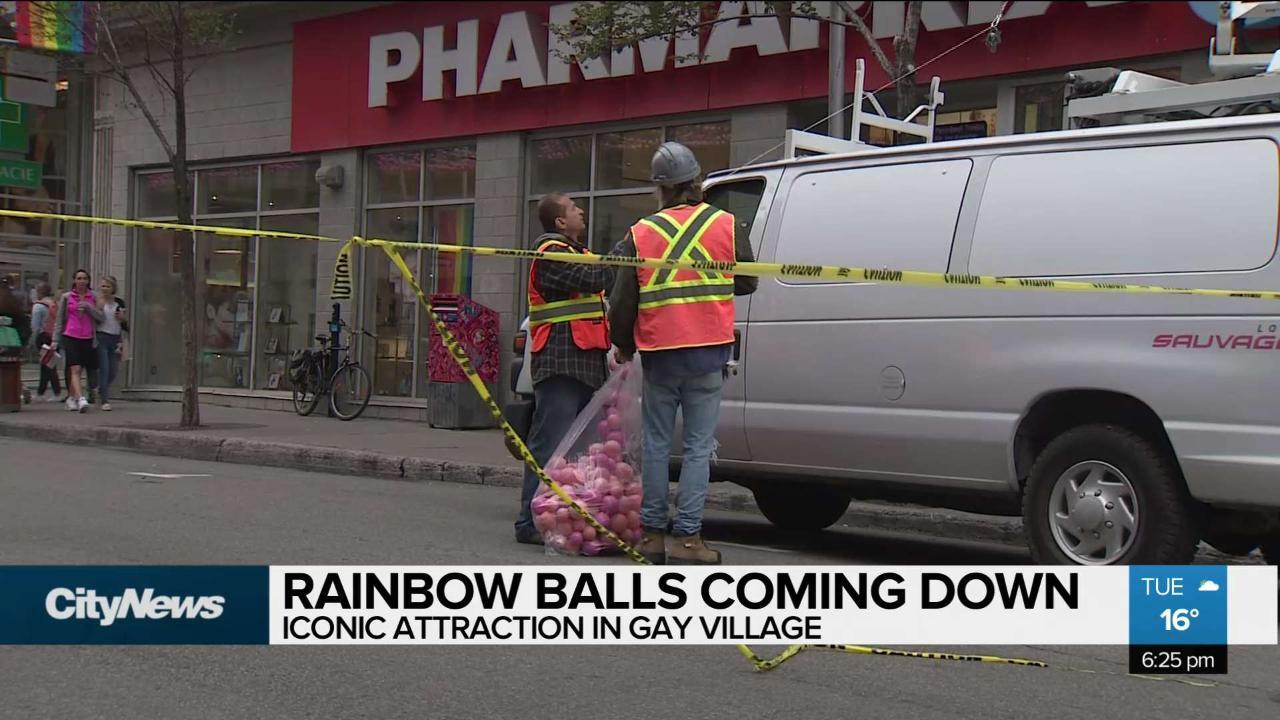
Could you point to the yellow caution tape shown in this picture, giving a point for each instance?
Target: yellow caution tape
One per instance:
(342, 290)
(829, 273)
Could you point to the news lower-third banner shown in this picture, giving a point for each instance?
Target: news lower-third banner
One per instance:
(1149, 606)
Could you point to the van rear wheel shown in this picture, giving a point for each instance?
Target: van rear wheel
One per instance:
(1104, 495)
(799, 507)
(1271, 553)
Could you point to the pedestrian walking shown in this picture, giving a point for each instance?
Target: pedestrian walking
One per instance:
(44, 314)
(681, 322)
(569, 338)
(75, 332)
(114, 324)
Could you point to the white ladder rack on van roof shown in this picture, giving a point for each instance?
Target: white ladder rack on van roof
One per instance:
(800, 142)
(1252, 84)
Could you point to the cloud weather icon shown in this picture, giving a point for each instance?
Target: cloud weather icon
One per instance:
(1209, 586)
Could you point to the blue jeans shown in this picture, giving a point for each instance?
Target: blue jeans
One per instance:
(108, 364)
(698, 398)
(557, 401)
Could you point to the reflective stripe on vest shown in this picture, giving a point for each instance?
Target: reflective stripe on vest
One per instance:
(584, 312)
(685, 308)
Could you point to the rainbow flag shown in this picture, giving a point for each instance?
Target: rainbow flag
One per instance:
(453, 270)
(59, 26)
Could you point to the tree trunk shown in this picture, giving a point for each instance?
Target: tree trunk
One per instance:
(904, 56)
(186, 242)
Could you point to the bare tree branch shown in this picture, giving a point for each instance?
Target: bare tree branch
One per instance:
(857, 23)
(114, 59)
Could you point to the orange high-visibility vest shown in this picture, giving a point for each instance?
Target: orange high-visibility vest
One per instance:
(684, 308)
(583, 311)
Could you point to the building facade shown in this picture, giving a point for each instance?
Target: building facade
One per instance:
(447, 122)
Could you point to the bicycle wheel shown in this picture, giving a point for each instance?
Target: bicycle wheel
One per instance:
(306, 391)
(349, 392)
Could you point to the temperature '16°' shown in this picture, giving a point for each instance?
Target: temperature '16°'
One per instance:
(1178, 619)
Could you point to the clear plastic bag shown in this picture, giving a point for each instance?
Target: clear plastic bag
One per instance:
(598, 465)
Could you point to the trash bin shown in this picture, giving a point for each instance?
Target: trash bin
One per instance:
(451, 400)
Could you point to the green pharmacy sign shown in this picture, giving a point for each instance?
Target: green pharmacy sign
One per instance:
(14, 136)
(20, 173)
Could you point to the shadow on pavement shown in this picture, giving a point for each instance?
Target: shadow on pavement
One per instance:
(845, 545)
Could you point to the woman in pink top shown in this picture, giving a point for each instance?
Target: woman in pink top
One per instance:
(76, 333)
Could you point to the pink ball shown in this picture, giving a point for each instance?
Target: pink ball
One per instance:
(575, 538)
(624, 471)
(595, 449)
(620, 523)
(562, 515)
(616, 436)
(588, 533)
(602, 427)
(616, 489)
(579, 524)
(633, 519)
(610, 504)
(634, 488)
(544, 521)
(613, 449)
(615, 421)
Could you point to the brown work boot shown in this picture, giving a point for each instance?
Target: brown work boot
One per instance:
(691, 550)
(653, 547)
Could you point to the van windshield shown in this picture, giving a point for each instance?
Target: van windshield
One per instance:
(741, 198)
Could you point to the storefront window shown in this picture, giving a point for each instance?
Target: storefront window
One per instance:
(449, 273)
(394, 177)
(226, 265)
(437, 210)
(227, 190)
(290, 185)
(258, 301)
(1038, 108)
(451, 173)
(614, 216)
(156, 318)
(620, 192)
(50, 143)
(708, 141)
(286, 311)
(560, 165)
(622, 158)
(394, 302)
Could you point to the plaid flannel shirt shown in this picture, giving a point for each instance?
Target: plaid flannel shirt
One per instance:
(557, 281)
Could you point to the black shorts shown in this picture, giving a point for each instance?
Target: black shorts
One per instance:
(79, 353)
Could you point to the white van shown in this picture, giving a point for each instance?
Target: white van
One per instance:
(1124, 428)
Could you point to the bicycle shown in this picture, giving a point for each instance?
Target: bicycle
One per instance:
(348, 386)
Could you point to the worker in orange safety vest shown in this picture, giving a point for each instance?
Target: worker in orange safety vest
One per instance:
(569, 339)
(681, 322)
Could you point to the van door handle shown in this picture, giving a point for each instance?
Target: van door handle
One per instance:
(732, 365)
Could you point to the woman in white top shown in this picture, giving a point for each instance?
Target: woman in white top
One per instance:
(109, 331)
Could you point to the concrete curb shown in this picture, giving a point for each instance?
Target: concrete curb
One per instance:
(930, 522)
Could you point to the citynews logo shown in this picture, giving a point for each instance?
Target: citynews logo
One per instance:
(80, 604)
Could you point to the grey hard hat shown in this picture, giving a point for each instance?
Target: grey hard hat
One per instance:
(673, 164)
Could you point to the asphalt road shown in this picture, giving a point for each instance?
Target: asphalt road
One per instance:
(61, 504)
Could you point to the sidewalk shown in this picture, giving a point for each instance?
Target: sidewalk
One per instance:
(396, 450)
